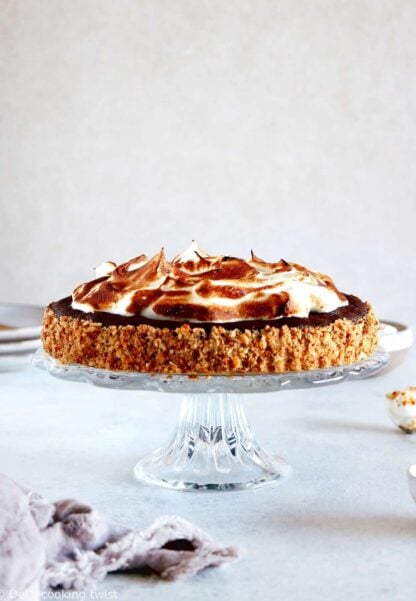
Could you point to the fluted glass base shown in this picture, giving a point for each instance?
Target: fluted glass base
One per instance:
(212, 448)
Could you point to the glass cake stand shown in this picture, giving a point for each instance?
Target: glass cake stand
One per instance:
(213, 446)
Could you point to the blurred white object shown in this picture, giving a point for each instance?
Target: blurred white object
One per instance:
(20, 327)
(397, 339)
(21, 346)
(411, 479)
(20, 322)
(401, 406)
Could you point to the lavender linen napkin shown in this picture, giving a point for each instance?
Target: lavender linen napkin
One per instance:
(71, 545)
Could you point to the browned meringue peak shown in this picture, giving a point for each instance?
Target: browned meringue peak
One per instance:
(195, 286)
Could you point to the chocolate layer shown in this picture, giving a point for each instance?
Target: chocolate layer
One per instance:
(355, 310)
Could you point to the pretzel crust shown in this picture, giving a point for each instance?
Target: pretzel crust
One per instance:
(192, 350)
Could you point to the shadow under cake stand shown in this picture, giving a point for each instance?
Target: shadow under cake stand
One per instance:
(213, 446)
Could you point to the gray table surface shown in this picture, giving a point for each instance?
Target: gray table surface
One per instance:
(342, 527)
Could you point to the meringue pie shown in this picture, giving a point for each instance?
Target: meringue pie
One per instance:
(205, 314)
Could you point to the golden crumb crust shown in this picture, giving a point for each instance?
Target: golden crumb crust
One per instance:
(192, 350)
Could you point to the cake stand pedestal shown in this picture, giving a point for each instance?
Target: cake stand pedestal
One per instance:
(213, 446)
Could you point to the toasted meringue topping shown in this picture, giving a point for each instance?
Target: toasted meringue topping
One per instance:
(105, 269)
(198, 287)
(401, 405)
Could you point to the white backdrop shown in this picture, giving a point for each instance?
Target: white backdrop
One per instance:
(283, 126)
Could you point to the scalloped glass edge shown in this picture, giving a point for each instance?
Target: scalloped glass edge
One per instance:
(183, 383)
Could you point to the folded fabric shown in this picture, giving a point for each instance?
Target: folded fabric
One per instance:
(71, 545)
